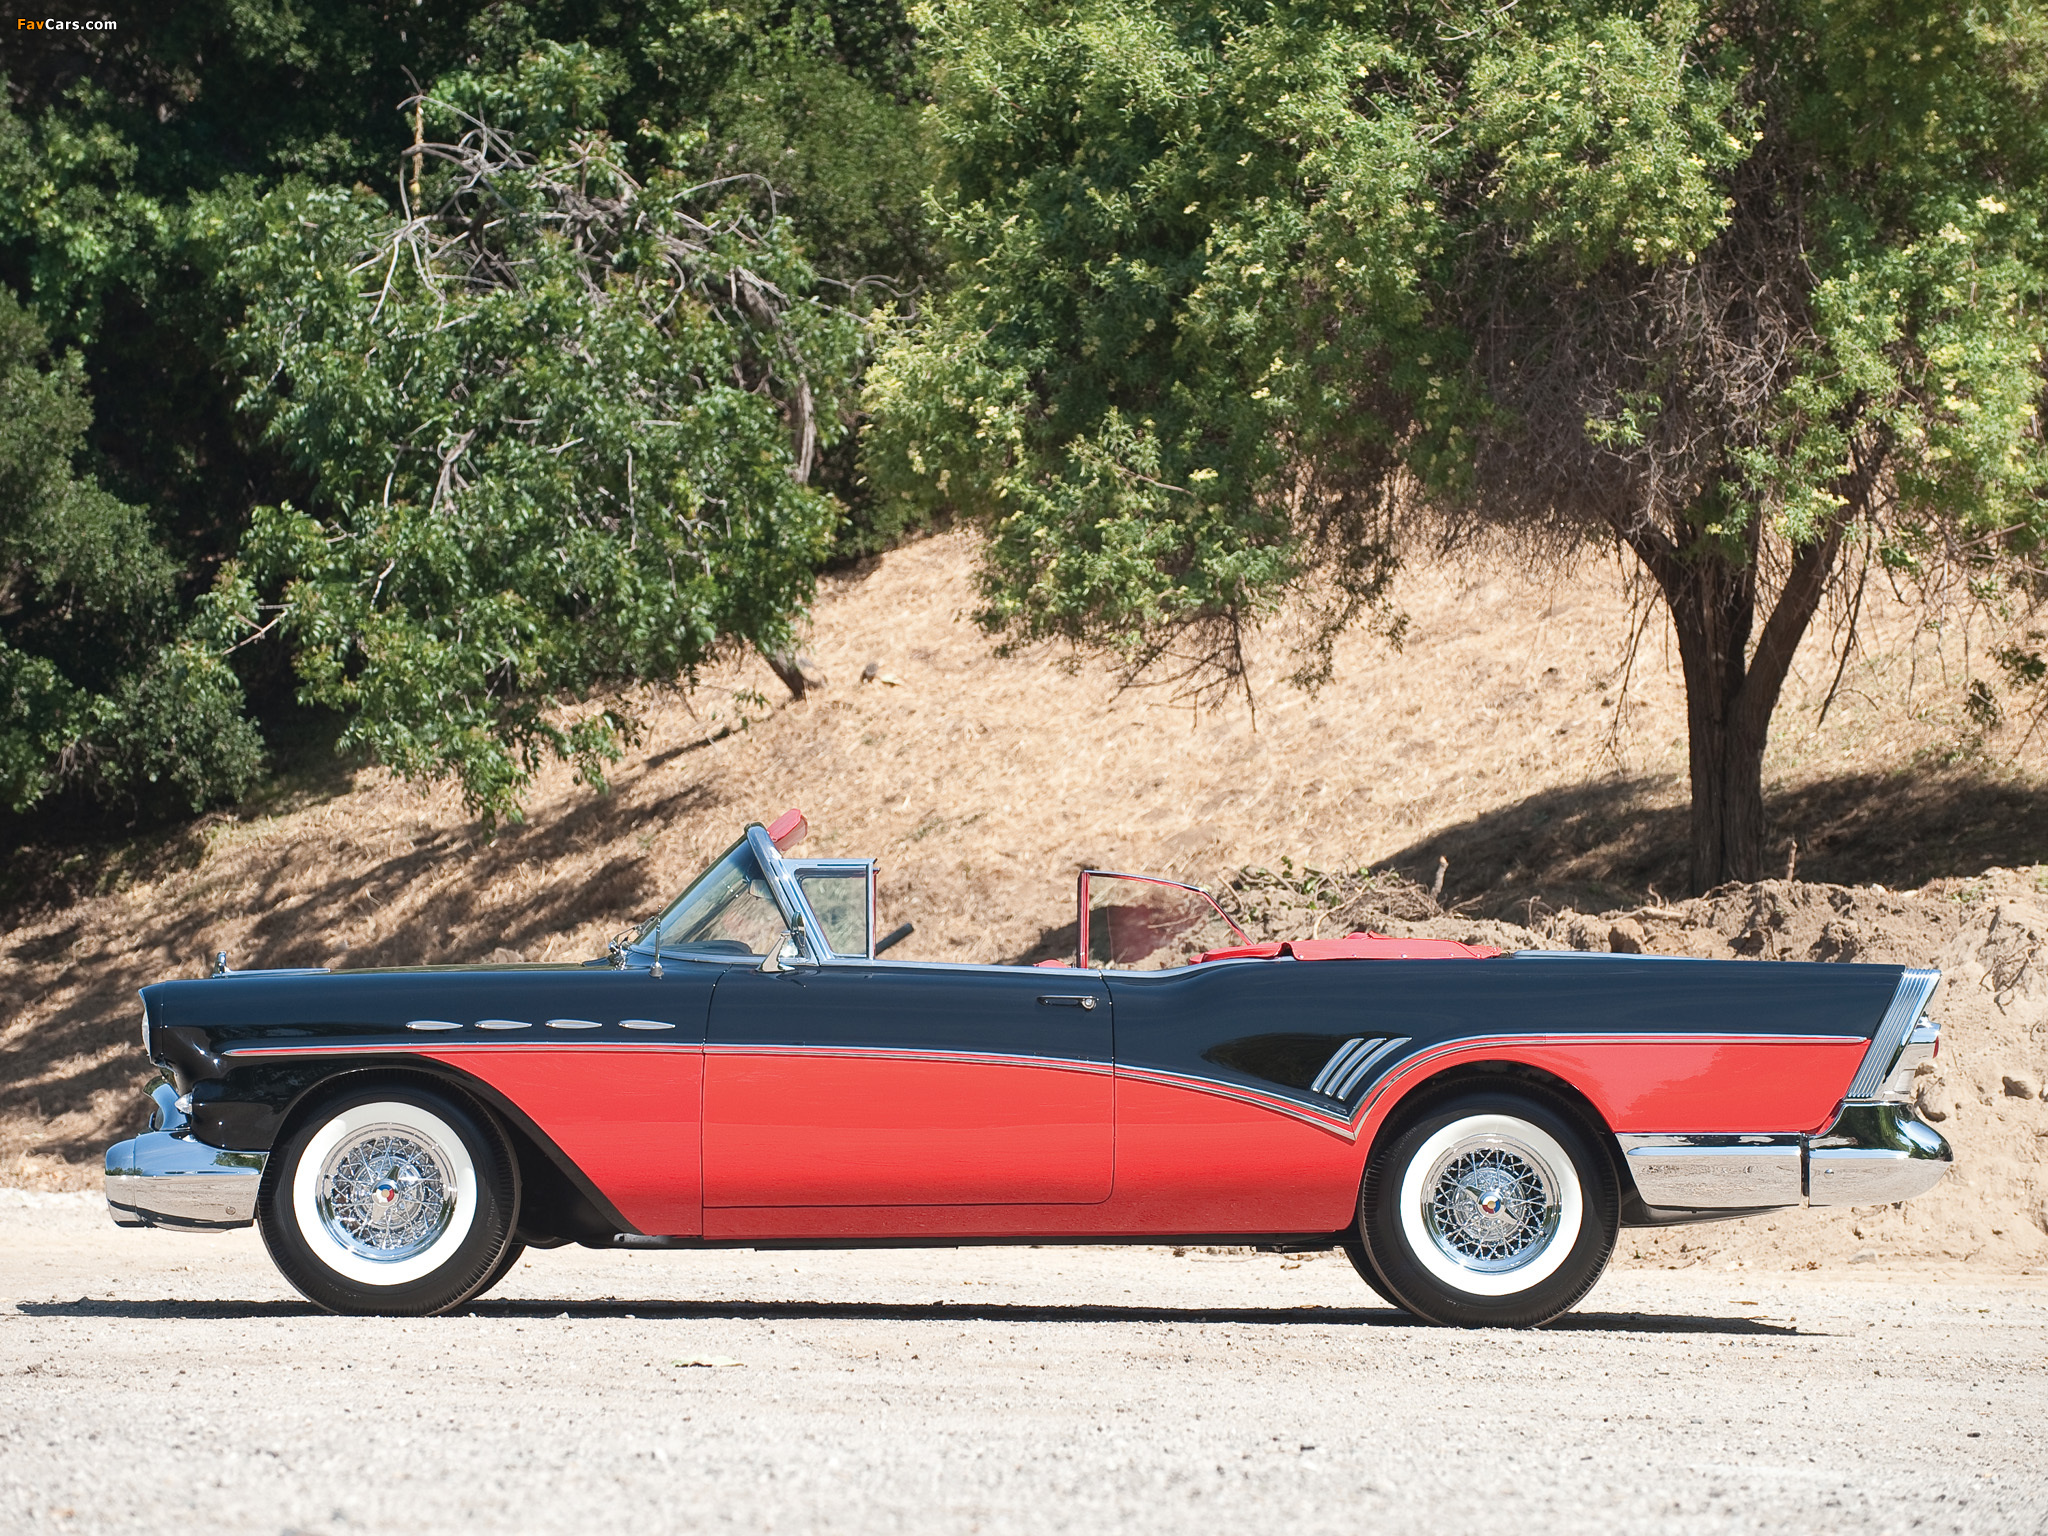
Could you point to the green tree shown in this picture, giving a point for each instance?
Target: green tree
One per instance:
(126, 155)
(1242, 288)
(557, 425)
(100, 689)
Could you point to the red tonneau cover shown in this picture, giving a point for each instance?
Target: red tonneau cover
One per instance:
(1358, 946)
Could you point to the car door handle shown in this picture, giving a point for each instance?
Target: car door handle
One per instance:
(1065, 1000)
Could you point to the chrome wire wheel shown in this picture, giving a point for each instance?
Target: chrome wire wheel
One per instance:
(1491, 1205)
(395, 1197)
(386, 1194)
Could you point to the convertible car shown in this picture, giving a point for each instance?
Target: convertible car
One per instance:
(746, 1070)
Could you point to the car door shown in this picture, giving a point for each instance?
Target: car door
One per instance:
(892, 1083)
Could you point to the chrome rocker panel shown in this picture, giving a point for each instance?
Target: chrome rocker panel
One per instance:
(162, 1178)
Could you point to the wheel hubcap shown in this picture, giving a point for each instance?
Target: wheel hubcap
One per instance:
(386, 1194)
(1491, 1205)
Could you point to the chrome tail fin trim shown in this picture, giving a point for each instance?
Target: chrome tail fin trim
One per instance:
(1910, 997)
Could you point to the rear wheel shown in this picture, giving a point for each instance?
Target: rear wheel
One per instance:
(391, 1199)
(1354, 1250)
(1489, 1209)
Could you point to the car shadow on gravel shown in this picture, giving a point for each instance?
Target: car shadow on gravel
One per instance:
(912, 1312)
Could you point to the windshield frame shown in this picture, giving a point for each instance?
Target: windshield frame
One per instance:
(647, 940)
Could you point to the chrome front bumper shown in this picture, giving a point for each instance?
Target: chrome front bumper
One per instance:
(163, 1178)
(1876, 1153)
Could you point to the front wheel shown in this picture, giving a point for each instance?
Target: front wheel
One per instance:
(393, 1199)
(1490, 1209)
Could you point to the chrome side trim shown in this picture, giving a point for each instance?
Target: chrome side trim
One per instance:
(503, 1024)
(159, 1179)
(1704, 1173)
(1875, 1154)
(1339, 1060)
(644, 1024)
(1360, 1069)
(574, 1024)
(1911, 995)
(432, 1024)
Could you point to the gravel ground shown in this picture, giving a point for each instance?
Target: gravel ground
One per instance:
(152, 1381)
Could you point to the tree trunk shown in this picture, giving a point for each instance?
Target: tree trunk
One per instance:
(1732, 688)
(798, 674)
(1713, 609)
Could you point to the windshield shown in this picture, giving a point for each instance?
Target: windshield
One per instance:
(729, 910)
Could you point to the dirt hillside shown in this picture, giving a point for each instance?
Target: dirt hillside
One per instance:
(1517, 735)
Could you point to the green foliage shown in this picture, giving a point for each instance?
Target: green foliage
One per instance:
(560, 453)
(98, 689)
(1121, 385)
(1606, 139)
(127, 156)
(1237, 285)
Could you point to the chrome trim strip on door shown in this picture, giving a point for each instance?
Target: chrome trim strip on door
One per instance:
(422, 1024)
(644, 1024)
(574, 1024)
(503, 1024)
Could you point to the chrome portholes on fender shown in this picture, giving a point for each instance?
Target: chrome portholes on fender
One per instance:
(1489, 1207)
(394, 1199)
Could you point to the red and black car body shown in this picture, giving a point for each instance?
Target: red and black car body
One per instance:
(782, 1084)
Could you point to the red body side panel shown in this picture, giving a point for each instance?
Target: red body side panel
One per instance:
(1673, 1084)
(1192, 1161)
(817, 1144)
(1188, 1161)
(628, 1119)
(785, 1128)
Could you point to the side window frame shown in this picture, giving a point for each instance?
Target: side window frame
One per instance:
(796, 869)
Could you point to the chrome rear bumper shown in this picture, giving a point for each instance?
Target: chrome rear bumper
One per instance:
(163, 1178)
(1876, 1153)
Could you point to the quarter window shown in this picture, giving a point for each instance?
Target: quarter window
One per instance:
(840, 900)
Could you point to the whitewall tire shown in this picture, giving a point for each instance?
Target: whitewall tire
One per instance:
(1489, 1207)
(396, 1198)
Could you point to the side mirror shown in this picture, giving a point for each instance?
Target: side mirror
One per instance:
(790, 954)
